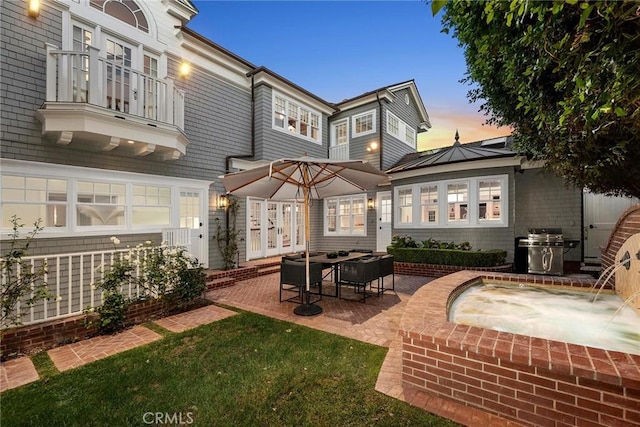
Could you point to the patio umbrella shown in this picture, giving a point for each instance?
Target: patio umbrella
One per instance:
(304, 178)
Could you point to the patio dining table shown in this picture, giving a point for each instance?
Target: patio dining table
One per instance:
(334, 264)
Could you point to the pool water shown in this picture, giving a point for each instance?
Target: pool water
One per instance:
(551, 313)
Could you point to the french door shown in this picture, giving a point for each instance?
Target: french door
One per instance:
(274, 228)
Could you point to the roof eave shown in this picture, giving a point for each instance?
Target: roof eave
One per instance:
(495, 162)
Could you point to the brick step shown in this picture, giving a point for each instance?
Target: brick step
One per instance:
(221, 282)
(263, 271)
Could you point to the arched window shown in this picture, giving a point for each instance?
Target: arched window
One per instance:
(125, 10)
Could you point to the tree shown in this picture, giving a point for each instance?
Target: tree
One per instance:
(565, 75)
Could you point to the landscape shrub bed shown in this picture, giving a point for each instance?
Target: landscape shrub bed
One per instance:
(431, 251)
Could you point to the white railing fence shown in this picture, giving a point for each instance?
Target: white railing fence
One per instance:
(339, 152)
(74, 76)
(71, 279)
(177, 237)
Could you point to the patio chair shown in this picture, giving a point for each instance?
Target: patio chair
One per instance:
(293, 279)
(359, 274)
(386, 268)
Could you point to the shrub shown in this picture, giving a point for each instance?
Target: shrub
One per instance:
(463, 258)
(403, 242)
(168, 274)
(22, 283)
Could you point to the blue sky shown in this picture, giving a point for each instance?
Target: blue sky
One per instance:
(340, 49)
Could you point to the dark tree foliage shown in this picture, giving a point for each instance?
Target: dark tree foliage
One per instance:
(565, 75)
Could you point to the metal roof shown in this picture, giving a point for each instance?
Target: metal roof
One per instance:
(479, 150)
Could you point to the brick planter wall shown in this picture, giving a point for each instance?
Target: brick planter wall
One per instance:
(45, 335)
(434, 270)
(627, 226)
(533, 381)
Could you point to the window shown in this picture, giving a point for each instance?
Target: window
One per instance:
(151, 87)
(279, 109)
(33, 198)
(300, 121)
(82, 40)
(100, 204)
(151, 205)
(405, 206)
(410, 136)
(400, 130)
(393, 125)
(70, 203)
(472, 202)
(125, 10)
(489, 200)
(429, 204)
(340, 133)
(346, 215)
(332, 215)
(457, 199)
(364, 124)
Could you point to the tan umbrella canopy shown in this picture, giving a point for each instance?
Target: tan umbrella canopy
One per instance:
(305, 178)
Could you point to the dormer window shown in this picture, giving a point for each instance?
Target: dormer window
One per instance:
(126, 11)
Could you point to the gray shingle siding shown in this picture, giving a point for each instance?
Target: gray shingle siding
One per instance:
(393, 148)
(544, 200)
(273, 144)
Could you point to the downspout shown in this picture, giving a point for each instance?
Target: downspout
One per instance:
(380, 130)
(227, 160)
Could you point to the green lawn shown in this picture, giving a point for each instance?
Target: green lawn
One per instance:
(246, 370)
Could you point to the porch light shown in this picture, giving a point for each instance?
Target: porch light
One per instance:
(373, 146)
(223, 201)
(371, 203)
(185, 69)
(33, 8)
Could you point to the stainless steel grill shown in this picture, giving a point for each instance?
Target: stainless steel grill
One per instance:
(545, 251)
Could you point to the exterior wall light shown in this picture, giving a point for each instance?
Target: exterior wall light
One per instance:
(373, 146)
(185, 69)
(223, 202)
(371, 203)
(33, 8)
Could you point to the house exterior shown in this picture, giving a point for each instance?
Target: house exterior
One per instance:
(118, 120)
(485, 194)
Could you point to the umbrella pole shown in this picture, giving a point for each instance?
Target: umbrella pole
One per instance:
(307, 309)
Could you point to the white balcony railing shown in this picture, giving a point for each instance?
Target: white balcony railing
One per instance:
(71, 280)
(339, 152)
(85, 77)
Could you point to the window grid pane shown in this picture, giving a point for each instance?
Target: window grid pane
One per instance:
(429, 204)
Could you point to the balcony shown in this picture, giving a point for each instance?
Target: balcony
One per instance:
(103, 105)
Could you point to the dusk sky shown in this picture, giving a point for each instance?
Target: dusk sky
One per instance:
(341, 49)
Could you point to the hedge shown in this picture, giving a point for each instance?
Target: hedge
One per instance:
(485, 258)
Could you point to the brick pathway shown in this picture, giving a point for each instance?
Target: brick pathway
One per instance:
(82, 352)
(191, 319)
(17, 372)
